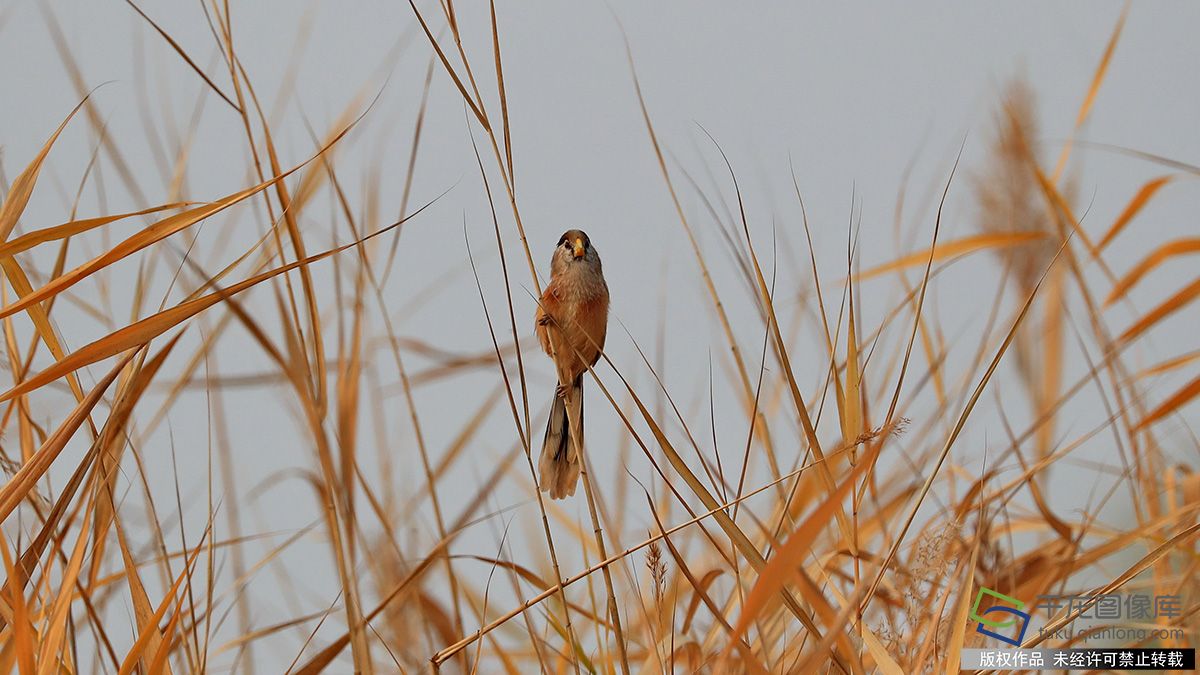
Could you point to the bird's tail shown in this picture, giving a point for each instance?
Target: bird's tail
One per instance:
(560, 462)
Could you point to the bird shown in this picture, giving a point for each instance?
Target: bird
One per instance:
(571, 323)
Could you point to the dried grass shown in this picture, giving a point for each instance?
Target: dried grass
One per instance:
(860, 551)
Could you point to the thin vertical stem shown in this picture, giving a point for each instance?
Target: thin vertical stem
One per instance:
(613, 613)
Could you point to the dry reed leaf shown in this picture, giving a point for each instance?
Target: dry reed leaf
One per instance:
(109, 446)
(145, 330)
(1118, 541)
(74, 227)
(322, 659)
(1170, 364)
(1063, 212)
(22, 186)
(842, 624)
(701, 590)
(21, 631)
(49, 531)
(739, 538)
(182, 54)
(700, 594)
(1147, 264)
(150, 631)
(522, 571)
(961, 612)
(692, 656)
(954, 249)
(852, 420)
(151, 235)
(435, 616)
(143, 611)
(1050, 380)
(788, 559)
(798, 403)
(38, 315)
(837, 625)
(581, 656)
(477, 109)
(59, 617)
(8, 657)
(1177, 400)
(747, 390)
(1177, 540)
(940, 459)
(16, 489)
(935, 356)
(503, 95)
(293, 229)
(449, 652)
(883, 660)
(1162, 311)
(10, 212)
(268, 630)
(160, 664)
(1136, 204)
(62, 45)
(1097, 79)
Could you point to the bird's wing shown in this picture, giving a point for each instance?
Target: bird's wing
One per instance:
(593, 326)
(548, 302)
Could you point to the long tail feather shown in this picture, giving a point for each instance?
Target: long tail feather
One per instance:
(559, 464)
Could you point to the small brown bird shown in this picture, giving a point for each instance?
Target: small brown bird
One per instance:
(572, 319)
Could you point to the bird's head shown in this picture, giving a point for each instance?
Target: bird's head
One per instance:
(574, 248)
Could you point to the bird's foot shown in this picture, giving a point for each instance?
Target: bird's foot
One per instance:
(561, 391)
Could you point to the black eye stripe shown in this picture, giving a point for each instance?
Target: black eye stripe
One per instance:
(567, 242)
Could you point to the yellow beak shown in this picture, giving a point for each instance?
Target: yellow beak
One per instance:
(579, 248)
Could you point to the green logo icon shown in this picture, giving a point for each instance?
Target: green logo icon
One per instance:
(994, 623)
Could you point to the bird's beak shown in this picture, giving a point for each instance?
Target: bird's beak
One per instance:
(579, 249)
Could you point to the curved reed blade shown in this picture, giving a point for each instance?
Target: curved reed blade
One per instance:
(954, 249)
(1149, 263)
